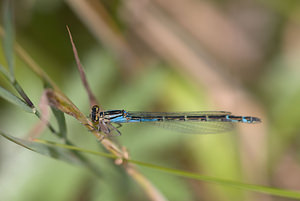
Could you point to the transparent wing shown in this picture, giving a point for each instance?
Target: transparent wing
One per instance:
(190, 127)
(108, 129)
(113, 131)
(193, 127)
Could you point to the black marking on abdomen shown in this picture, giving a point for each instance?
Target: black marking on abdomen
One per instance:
(197, 118)
(174, 118)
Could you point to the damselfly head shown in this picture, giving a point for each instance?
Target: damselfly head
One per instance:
(95, 113)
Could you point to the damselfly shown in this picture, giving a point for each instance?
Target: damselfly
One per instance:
(202, 122)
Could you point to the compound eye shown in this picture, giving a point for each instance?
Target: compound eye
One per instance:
(95, 109)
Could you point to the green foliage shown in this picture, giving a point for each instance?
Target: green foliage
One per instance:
(8, 40)
(15, 100)
(63, 152)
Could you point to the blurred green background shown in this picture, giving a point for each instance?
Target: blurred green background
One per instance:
(161, 55)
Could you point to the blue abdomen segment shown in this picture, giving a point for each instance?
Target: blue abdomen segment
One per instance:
(131, 120)
(242, 119)
(119, 120)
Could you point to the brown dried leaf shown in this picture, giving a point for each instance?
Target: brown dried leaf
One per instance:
(62, 103)
(92, 98)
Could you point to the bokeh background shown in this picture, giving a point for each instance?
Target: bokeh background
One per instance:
(161, 55)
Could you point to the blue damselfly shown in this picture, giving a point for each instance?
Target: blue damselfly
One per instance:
(202, 122)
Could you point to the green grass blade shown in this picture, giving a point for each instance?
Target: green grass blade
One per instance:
(107, 155)
(44, 149)
(56, 152)
(48, 148)
(244, 186)
(61, 121)
(22, 93)
(8, 42)
(225, 182)
(15, 100)
(5, 73)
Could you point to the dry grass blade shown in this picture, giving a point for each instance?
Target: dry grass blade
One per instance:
(35, 67)
(62, 103)
(92, 98)
(45, 115)
(103, 27)
(152, 192)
